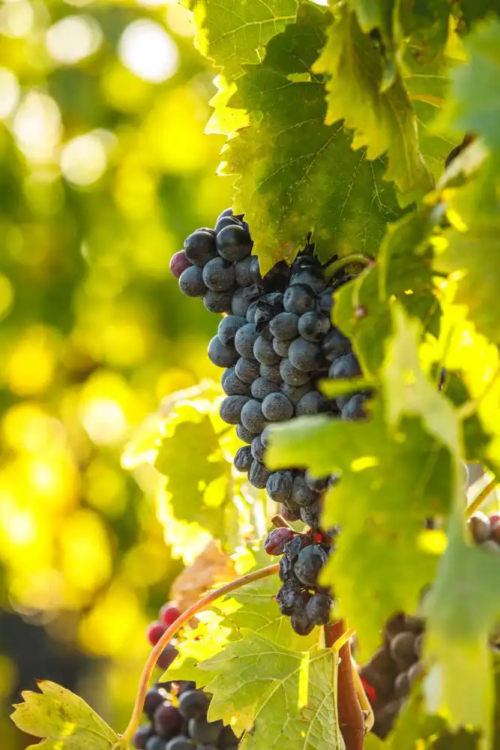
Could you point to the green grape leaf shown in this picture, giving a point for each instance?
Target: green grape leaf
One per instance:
(474, 105)
(233, 33)
(461, 611)
(297, 174)
(383, 120)
(402, 273)
(63, 721)
(266, 681)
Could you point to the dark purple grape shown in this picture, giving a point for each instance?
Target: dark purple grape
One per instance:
(252, 417)
(247, 369)
(193, 704)
(243, 273)
(243, 459)
(295, 393)
(354, 409)
(229, 327)
(309, 563)
(289, 597)
(153, 699)
(335, 345)
(230, 409)
(245, 340)
(245, 434)
(243, 298)
(271, 372)
(279, 486)
(299, 299)
(304, 355)
(291, 375)
(312, 402)
(142, 735)
(167, 721)
(221, 354)
(258, 449)
(234, 243)
(218, 275)
(276, 540)
(301, 493)
(204, 732)
(258, 475)
(191, 282)
(284, 326)
(313, 326)
(300, 622)
(318, 609)
(261, 388)
(156, 743)
(293, 547)
(311, 514)
(264, 353)
(277, 408)
(200, 247)
(232, 385)
(180, 743)
(218, 302)
(167, 656)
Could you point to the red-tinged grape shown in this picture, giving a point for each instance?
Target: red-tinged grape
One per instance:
(276, 540)
(178, 263)
(169, 614)
(155, 632)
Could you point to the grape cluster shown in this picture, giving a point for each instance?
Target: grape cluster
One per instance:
(395, 666)
(177, 711)
(300, 596)
(177, 714)
(275, 342)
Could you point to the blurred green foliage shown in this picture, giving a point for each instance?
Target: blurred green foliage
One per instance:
(104, 169)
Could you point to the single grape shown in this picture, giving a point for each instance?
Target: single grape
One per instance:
(220, 354)
(245, 434)
(264, 353)
(279, 486)
(415, 671)
(313, 326)
(261, 388)
(180, 743)
(289, 513)
(308, 275)
(191, 282)
(284, 326)
(335, 345)
(295, 393)
(167, 721)
(354, 408)
(242, 272)
(403, 649)
(318, 609)
(293, 547)
(243, 458)
(281, 347)
(247, 370)
(167, 656)
(402, 685)
(300, 621)
(312, 403)
(225, 221)
(200, 247)
(245, 340)
(193, 704)
(286, 572)
(152, 700)
(271, 372)
(178, 263)
(268, 307)
(218, 275)
(289, 597)
(230, 409)
(155, 632)
(418, 646)
(291, 375)
(304, 355)
(325, 301)
(243, 298)
(309, 563)
(218, 302)
(255, 271)
(142, 735)
(229, 327)
(156, 743)
(258, 475)
(203, 731)
(234, 243)
(258, 450)
(232, 385)
(227, 212)
(169, 613)
(276, 540)
(345, 368)
(252, 308)
(316, 484)
(311, 514)
(299, 299)
(252, 417)
(277, 408)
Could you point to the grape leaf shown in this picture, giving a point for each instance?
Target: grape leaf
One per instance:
(233, 33)
(401, 273)
(383, 120)
(297, 174)
(63, 721)
(266, 680)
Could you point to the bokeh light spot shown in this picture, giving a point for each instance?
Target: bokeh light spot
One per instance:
(148, 51)
(9, 92)
(38, 127)
(16, 19)
(84, 160)
(73, 39)
(6, 296)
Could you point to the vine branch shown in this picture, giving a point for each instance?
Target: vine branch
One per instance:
(351, 719)
(480, 498)
(338, 265)
(193, 610)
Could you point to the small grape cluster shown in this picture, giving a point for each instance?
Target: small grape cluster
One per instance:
(275, 342)
(395, 666)
(177, 711)
(303, 556)
(177, 714)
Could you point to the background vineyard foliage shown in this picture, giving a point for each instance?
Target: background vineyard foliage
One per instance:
(104, 168)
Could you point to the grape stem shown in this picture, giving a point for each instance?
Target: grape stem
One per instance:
(338, 265)
(193, 610)
(351, 718)
(480, 498)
